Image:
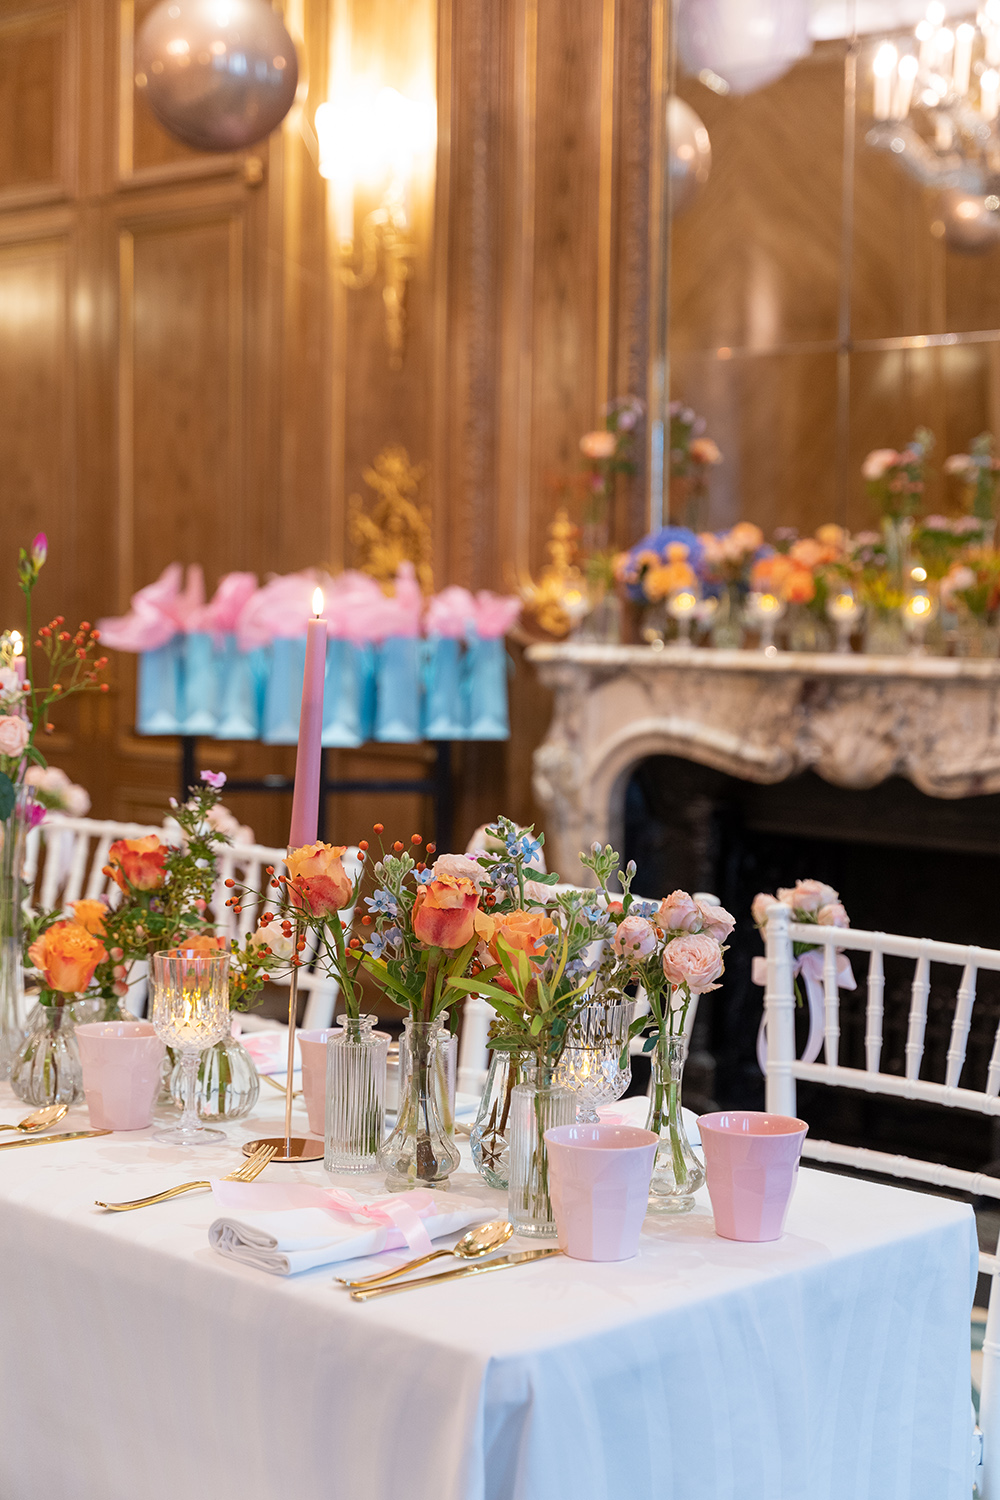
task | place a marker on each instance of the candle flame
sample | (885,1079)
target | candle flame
(318,603)
(16,642)
(919,605)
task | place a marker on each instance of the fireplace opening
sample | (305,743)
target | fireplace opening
(903,862)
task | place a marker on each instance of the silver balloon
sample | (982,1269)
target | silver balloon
(217,74)
(689,154)
(969,221)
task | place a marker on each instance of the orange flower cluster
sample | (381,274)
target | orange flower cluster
(792,574)
(67,955)
(137,864)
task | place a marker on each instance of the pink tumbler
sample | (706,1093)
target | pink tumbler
(312,1050)
(599,1179)
(751,1162)
(122,1065)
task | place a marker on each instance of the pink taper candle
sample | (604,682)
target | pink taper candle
(305,798)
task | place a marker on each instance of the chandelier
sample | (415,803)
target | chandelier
(936,102)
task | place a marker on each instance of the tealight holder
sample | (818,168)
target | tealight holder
(190,1012)
(919,609)
(763,611)
(843,611)
(682,607)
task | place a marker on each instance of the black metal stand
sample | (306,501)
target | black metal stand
(437,785)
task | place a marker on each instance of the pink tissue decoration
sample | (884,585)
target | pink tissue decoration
(282,608)
(219,616)
(450,613)
(495,614)
(158,611)
(353,599)
(399,615)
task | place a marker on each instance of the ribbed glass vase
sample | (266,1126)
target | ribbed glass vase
(537,1104)
(355,1095)
(228,1082)
(46,1068)
(12,837)
(420,1151)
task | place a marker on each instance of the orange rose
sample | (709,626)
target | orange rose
(445,911)
(137,863)
(201,944)
(90,915)
(799,587)
(318,880)
(522,930)
(67,955)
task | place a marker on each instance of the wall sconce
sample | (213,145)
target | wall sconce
(383,141)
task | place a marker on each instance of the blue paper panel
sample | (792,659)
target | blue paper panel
(283,698)
(159,690)
(444,705)
(348,694)
(397,692)
(486,669)
(243,678)
(199,684)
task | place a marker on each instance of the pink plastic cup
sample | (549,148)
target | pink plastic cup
(312,1049)
(122,1064)
(751,1163)
(599,1178)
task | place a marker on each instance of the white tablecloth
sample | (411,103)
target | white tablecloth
(137,1364)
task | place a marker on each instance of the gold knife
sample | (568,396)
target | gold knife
(64,1135)
(501,1264)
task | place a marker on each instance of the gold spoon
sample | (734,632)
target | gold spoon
(39,1118)
(472,1246)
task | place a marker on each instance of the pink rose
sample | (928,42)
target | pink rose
(878,461)
(715,920)
(678,913)
(462,866)
(13,734)
(808,895)
(635,938)
(833,915)
(598,446)
(759,907)
(695,959)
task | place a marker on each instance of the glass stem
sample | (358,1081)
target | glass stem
(189,1088)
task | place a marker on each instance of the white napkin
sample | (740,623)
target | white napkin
(288,1240)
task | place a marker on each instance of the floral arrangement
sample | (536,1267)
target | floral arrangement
(607,451)
(691,453)
(165,892)
(972,585)
(979,472)
(896,480)
(54,792)
(656,565)
(810,902)
(73,666)
(727,557)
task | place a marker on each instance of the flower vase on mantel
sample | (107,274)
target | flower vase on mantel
(677,1172)
(356,1058)
(727,622)
(13,833)
(538,1104)
(420,1151)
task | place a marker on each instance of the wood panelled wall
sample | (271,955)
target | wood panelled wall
(184,376)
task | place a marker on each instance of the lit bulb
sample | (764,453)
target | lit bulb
(318,602)
(16,641)
(885,61)
(936,13)
(919,575)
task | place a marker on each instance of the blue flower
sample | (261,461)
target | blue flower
(595,914)
(643,909)
(379,941)
(576,968)
(423,876)
(382,901)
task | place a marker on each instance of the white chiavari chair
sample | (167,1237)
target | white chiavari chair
(784,1070)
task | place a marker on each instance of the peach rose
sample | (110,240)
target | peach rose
(444,912)
(877,462)
(636,938)
(14,734)
(833,915)
(678,913)
(463,866)
(318,880)
(598,445)
(760,906)
(201,944)
(522,930)
(715,920)
(272,940)
(67,955)
(90,915)
(807,895)
(137,863)
(694,959)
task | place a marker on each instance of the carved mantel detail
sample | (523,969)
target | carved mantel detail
(855,720)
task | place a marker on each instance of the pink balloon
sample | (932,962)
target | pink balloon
(217,74)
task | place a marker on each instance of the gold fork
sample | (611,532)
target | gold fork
(251,1168)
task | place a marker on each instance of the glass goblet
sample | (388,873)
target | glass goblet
(190,1013)
(592,1062)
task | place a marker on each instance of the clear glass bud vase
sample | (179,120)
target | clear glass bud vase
(228,1081)
(355,1095)
(420,1152)
(490,1135)
(537,1104)
(46,1068)
(677,1172)
(12,1008)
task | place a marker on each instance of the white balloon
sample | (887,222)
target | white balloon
(689,155)
(748,43)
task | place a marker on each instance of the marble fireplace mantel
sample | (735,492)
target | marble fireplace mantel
(855,720)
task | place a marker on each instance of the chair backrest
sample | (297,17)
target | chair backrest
(784,1070)
(65,857)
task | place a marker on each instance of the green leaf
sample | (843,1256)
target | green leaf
(478,986)
(7,797)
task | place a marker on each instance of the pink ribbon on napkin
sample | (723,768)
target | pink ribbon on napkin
(810,966)
(401,1215)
